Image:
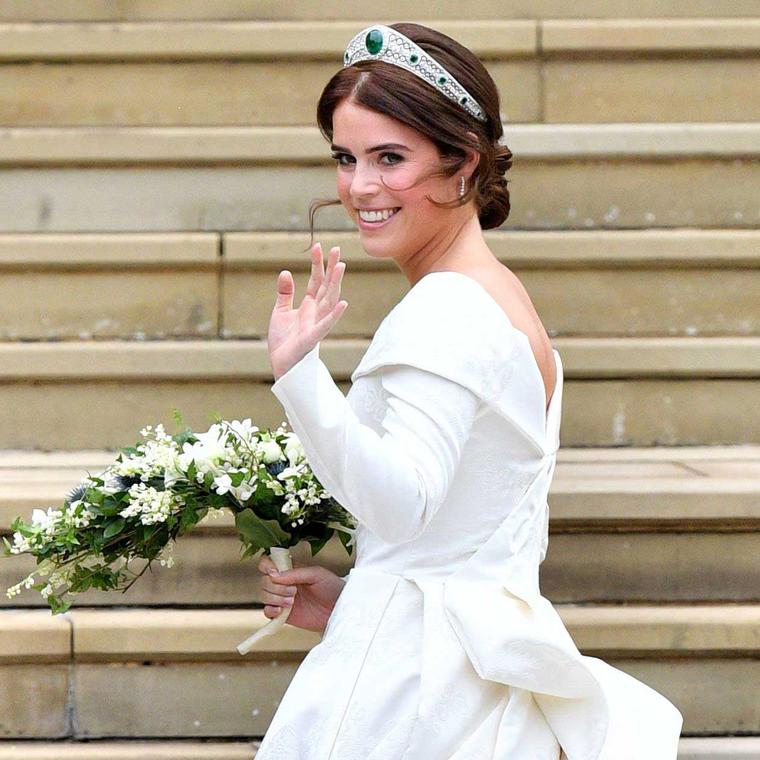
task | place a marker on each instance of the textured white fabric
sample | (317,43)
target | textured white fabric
(441,646)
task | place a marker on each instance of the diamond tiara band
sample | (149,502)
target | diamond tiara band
(381,43)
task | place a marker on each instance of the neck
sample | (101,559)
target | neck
(462,248)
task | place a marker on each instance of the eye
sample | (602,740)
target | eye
(395,155)
(338,156)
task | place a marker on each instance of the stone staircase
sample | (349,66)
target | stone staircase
(157,161)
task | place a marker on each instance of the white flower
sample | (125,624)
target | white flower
(270,451)
(151,505)
(165,555)
(173,471)
(294,449)
(207,452)
(222,483)
(244,429)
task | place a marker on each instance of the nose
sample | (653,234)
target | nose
(365,182)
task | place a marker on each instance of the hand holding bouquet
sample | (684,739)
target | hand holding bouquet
(159,489)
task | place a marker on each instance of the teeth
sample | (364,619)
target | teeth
(377,216)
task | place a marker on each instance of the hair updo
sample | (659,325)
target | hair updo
(398,93)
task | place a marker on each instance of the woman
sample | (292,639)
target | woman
(438,644)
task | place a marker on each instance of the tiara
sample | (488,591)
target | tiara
(381,43)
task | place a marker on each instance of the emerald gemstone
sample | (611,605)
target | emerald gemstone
(374,41)
(463,100)
(414,58)
(441,80)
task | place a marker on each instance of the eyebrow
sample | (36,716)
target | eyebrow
(384,146)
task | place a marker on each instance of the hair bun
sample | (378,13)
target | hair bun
(495,192)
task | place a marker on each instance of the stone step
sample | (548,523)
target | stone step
(689,748)
(198,685)
(626,525)
(619,391)
(690,282)
(696,182)
(232,72)
(436,11)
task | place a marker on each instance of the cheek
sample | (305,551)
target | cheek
(343,184)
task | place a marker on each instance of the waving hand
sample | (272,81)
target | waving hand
(294,332)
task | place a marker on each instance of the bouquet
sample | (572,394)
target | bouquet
(157,490)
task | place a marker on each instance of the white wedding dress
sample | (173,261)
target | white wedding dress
(441,646)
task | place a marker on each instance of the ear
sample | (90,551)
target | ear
(473,157)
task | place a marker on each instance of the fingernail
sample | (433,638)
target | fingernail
(288,600)
(273,572)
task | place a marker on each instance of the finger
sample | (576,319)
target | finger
(326,323)
(272,611)
(331,294)
(298,575)
(317,274)
(285,291)
(333,258)
(270,597)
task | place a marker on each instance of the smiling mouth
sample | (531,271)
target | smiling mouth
(377,221)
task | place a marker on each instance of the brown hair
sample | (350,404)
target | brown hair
(396,92)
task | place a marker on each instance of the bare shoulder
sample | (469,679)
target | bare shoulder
(508,291)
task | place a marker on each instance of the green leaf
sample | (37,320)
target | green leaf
(178,417)
(317,544)
(344,539)
(113,527)
(261,533)
(58,606)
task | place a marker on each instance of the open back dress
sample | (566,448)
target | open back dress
(441,646)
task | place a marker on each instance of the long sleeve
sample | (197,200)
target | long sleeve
(393,482)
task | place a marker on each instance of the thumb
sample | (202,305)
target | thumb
(286,289)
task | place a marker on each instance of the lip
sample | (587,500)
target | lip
(374,225)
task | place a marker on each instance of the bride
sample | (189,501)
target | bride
(438,644)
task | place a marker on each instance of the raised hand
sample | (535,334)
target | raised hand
(311,590)
(294,332)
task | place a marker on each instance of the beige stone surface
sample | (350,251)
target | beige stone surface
(675,629)
(265,40)
(718,747)
(650,35)
(128,750)
(689,748)
(654,89)
(634,193)
(175,634)
(201,145)
(104,10)
(672,563)
(583,358)
(80,414)
(306,39)
(715,695)
(653,566)
(116,304)
(33,636)
(34,700)
(595,301)
(202,92)
(528,250)
(104,251)
(186,699)
(659,412)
